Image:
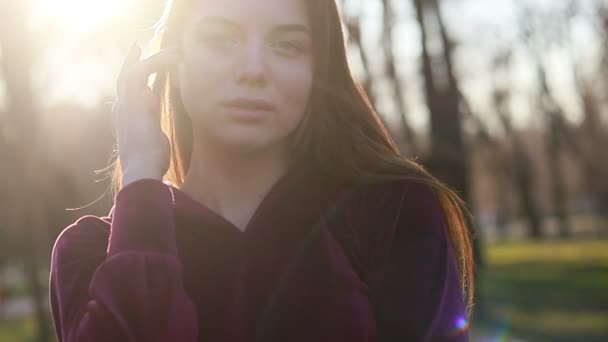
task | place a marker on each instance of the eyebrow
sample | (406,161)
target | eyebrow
(227,22)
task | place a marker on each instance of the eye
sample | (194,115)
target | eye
(218,41)
(288,46)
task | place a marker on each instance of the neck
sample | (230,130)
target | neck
(232,183)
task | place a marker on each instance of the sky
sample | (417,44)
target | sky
(81,69)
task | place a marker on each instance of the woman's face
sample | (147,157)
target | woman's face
(247,70)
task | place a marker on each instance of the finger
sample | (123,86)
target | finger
(138,73)
(132,58)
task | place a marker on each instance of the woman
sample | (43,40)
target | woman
(269,205)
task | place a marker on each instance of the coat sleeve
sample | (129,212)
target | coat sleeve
(416,292)
(127,287)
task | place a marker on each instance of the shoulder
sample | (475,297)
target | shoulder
(386,216)
(86,238)
(405,204)
(411,267)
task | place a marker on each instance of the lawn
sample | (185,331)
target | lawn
(545,291)
(18,331)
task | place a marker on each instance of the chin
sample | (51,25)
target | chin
(249,141)
(245,136)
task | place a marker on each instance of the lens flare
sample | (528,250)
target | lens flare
(461,325)
(77,15)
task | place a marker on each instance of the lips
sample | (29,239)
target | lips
(249,104)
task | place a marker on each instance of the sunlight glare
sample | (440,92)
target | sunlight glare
(78,15)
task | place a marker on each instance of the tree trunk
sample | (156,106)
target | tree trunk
(449,155)
(391,74)
(556,128)
(521,166)
(16,63)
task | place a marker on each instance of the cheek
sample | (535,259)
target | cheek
(294,84)
(199,80)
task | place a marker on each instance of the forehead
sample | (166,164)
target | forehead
(251,12)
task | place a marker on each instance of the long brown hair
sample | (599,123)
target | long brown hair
(341,133)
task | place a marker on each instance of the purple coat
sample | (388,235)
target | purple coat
(317,262)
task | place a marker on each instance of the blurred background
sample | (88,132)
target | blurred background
(506,101)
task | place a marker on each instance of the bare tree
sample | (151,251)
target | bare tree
(449,155)
(353,24)
(354,30)
(27,213)
(388,45)
(537,41)
(594,130)
(521,166)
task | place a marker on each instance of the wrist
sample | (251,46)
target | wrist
(133,173)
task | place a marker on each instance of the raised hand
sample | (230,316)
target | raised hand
(143,148)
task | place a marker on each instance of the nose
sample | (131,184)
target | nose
(252,66)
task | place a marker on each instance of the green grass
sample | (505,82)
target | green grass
(18,331)
(17,290)
(546,291)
